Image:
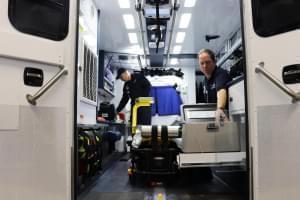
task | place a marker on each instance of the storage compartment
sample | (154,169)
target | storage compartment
(200,134)
(206,138)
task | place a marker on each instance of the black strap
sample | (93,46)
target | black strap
(180,132)
(164,136)
(154,133)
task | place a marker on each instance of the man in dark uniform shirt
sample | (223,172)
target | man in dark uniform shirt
(215,83)
(214,87)
(136,85)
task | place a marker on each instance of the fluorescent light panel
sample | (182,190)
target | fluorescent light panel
(82,24)
(180,37)
(177,49)
(129,21)
(134,49)
(124,3)
(185,20)
(90,40)
(174,61)
(133,38)
(189,3)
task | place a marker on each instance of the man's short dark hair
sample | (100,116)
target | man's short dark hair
(209,52)
(120,72)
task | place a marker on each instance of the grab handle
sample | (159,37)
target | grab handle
(295,95)
(32,98)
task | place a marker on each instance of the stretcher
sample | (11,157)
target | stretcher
(197,142)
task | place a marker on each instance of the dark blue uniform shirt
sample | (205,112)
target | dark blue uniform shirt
(138,86)
(218,81)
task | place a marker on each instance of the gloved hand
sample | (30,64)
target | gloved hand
(121,116)
(220,116)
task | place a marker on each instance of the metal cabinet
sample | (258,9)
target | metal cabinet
(236,97)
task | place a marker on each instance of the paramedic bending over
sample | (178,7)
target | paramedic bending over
(215,83)
(136,85)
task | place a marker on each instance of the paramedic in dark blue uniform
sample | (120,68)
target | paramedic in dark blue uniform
(214,89)
(136,85)
(215,83)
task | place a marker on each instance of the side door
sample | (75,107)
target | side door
(272,47)
(37,62)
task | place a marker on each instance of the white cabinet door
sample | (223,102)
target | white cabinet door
(272,42)
(36,140)
(236,98)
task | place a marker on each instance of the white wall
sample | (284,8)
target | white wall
(86,112)
(190,80)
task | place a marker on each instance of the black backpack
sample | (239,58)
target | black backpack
(107,111)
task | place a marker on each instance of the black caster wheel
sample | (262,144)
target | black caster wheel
(131,176)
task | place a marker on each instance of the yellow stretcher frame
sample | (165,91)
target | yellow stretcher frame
(139,102)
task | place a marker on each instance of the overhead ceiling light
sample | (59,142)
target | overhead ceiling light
(82,25)
(133,38)
(174,61)
(180,37)
(177,49)
(153,37)
(154,27)
(150,12)
(124,3)
(153,45)
(129,21)
(189,3)
(135,49)
(185,20)
(90,40)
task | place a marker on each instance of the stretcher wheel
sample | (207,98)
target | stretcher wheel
(131,176)
(201,174)
(132,179)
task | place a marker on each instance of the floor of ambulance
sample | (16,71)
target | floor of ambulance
(227,184)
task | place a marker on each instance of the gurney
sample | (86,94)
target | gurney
(197,142)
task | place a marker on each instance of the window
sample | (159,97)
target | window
(43,18)
(89,75)
(271,17)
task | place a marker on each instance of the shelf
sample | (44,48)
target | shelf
(111,123)
(90,126)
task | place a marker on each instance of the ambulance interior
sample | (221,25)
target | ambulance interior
(160,39)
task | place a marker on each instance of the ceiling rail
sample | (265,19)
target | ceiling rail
(175,9)
(138,7)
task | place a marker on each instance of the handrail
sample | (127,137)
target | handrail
(32,98)
(295,95)
(175,9)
